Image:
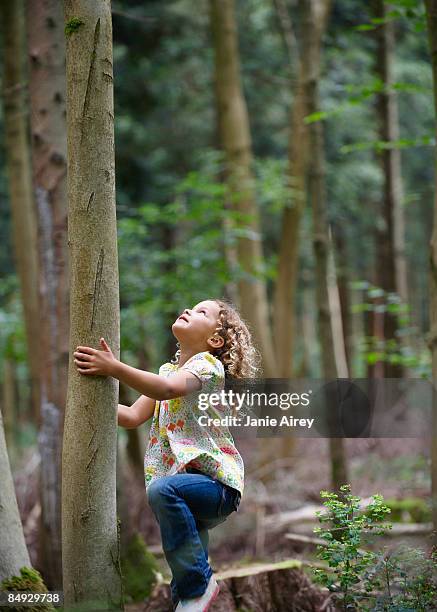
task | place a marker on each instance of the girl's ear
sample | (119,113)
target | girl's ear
(216,341)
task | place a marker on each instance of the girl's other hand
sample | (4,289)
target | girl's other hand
(94,362)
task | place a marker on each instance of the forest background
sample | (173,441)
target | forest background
(324,114)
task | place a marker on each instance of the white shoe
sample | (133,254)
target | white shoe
(202,603)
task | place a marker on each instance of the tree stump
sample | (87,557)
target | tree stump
(272,587)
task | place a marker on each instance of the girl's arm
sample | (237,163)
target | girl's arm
(155,386)
(125,417)
(140,412)
(91,361)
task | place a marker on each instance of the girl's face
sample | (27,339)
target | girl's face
(196,326)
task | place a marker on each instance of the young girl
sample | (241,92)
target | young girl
(194,474)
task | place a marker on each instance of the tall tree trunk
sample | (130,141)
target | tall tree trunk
(20,181)
(288,252)
(338,335)
(46,49)
(374,318)
(230,251)
(375,329)
(392,270)
(13,551)
(342,275)
(431,13)
(308,335)
(316,13)
(287,277)
(90,544)
(235,137)
(169,236)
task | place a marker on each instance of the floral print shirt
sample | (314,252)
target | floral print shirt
(177,439)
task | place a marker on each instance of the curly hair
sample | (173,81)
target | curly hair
(238,354)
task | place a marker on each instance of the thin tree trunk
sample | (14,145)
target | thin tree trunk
(342,275)
(316,13)
(288,253)
(373,319)
(375,330)
(431,13)
(308,336)
(46,50)
(13,551)
(231,254)
(230,291)
(336,315)
(287,277)
(169,236)
(358,333)
(286,282)
(90,543)
(20,181)
(392,271)
(236,141)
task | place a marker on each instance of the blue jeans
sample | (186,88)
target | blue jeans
(186,506)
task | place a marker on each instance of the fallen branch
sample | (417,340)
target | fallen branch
(296,537)
(307,514)
(410,529)
(397,529)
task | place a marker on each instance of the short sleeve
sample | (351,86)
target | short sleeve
(208,369)
(166,369)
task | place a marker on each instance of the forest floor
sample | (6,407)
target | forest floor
(395,468)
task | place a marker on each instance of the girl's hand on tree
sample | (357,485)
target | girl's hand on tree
(92,361)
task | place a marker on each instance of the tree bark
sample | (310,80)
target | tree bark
(20,181)
(287,277)
(338,334)
(343,280)
(235,137)
(431,14)
(46,50)
(316,13)
(90,544)
(288,252)
(13,551)
(374,324)
(391,269)
(308,336)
